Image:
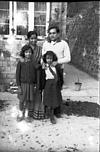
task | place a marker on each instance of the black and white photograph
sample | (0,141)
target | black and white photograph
(49,76)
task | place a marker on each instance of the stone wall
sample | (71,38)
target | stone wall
(8,62)
(84,33)
(7,72)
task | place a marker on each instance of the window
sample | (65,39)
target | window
(40,18)
(23,17)
(4,17)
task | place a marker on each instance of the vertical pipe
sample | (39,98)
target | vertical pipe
(47,15)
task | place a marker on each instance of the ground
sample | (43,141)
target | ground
(76,131)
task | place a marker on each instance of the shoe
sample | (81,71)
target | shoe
(28,119)
(20,118)
(53,120)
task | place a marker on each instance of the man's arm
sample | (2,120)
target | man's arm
(67,55)
(44,48)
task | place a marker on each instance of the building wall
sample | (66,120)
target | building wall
(12,45)
(84,55)
(8,62)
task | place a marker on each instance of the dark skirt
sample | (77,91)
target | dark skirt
(52,94)
(27,97)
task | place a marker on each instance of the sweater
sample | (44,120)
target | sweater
(26,72)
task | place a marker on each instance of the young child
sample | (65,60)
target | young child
(26,79)
(52,97)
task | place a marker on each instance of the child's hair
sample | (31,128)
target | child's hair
(31,33)
(50,53)
(24,48)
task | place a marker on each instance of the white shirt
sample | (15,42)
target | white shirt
(49,75)
(61,49)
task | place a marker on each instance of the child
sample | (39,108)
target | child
(52,97)
(26,79)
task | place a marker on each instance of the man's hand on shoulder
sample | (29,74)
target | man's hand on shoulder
(54,63)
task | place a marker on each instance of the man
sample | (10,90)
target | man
(60,48)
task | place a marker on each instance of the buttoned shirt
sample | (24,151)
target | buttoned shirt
(60,48)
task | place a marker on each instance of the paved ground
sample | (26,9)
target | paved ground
(76,131)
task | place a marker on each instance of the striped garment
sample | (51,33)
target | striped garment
(37,52)
(38,112)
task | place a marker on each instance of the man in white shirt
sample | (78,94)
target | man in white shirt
(60,48)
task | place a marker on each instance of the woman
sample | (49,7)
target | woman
(38,109)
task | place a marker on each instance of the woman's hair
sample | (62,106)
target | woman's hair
(50,53)
(24,48)
(31,33)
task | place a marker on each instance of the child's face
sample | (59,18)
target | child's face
(33,39)
(28,53)
(49,59)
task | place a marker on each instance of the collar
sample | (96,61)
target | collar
(58,40)
(27,60)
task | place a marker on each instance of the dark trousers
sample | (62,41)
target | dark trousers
(57,110)
(49,111)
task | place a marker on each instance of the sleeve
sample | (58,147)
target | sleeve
(66,53)
(60,76)
(42,79)
(18,74)
(43,48)
(40,51)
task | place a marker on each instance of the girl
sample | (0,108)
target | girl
(38,110)
(26,79)
(52,97)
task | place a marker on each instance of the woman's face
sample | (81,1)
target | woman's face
(49,59)
(33,39)
(28,53)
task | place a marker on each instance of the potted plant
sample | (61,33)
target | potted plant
(78,85)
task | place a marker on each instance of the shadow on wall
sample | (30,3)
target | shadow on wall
(81,108)
(4,54)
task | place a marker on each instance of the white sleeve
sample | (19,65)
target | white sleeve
(66,54)
(43,48)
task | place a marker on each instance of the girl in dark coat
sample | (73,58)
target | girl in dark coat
(26,79)
(53,82)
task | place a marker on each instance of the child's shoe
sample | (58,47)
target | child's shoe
(20,118)
(53,120)
(28,119)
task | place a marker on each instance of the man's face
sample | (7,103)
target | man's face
(53,35)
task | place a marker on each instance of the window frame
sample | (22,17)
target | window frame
(12,14)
